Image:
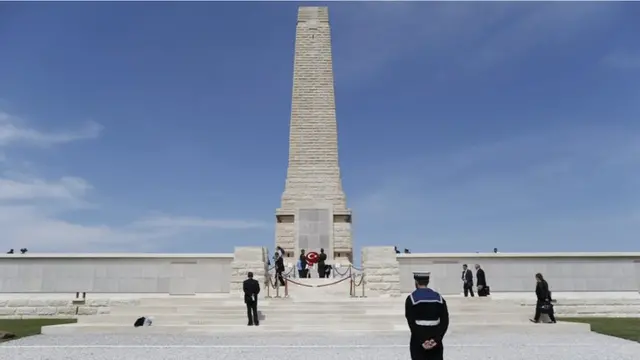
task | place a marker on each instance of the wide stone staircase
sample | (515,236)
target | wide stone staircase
(312,305)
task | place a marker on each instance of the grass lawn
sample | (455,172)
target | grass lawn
(625,328)
(29,327)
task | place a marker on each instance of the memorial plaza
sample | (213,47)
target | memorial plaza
(356,313)
(385,346)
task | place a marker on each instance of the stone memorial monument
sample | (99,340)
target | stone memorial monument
(313,213)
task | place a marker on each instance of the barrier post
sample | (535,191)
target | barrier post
(268,284)
(286,288)
(351,284)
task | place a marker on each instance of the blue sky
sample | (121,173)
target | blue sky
(163,127)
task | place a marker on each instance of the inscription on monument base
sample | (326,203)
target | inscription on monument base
(314,230)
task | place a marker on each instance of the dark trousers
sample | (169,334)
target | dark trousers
(322,271)
(252,312)
(279,278)
(419,353)
(302,273)
(539,304)
(483,291)
(468,289)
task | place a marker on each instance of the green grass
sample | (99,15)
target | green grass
(29,327)
(625,328)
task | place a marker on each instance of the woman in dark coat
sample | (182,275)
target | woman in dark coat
(543,302)
(279,267)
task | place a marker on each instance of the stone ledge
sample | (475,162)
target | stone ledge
(48,311)
(58,308)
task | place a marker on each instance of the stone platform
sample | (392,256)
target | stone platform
(351,346)
(305,311)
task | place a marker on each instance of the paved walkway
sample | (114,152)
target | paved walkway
(589,346)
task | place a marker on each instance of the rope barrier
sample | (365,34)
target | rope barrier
(335,269)
(299,284)
(333,283)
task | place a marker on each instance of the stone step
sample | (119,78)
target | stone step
(578,309)
(590,302)
(336,320)
(303,309)
(296,330)
(598,315)
(317,300)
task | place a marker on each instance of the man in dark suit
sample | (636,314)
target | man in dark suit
(481,281)
(251,288)
(467,280)
(322,258)
(303,264)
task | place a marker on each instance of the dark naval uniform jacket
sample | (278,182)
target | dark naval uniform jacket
(427,315)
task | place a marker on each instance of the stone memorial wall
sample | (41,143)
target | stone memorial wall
(115,273)
(565,272)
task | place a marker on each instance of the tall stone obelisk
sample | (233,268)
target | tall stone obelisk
(313,212)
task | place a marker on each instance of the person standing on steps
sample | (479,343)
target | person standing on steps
(302,265)
(322,258)
(428,318)
(481,281)
(251,288)
(543,302)
(467,281)
(279,269)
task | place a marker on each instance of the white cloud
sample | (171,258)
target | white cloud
(14,131)
(195,222)
(32,207)
(35,221)
(66,188)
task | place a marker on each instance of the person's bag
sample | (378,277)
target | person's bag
(546,308)
(139,322)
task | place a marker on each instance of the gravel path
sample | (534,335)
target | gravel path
(390,346)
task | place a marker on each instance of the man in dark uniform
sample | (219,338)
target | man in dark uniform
(428,318)
(251,289)
(322,258)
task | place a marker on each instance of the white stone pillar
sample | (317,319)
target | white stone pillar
(381,270)
(313,174)
(245,260)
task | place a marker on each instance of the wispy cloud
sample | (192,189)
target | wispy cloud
(623,60)
(67,188)
(560,189)
(14,131)
(370,36)
(36,221)
(196,222)
(33,208)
